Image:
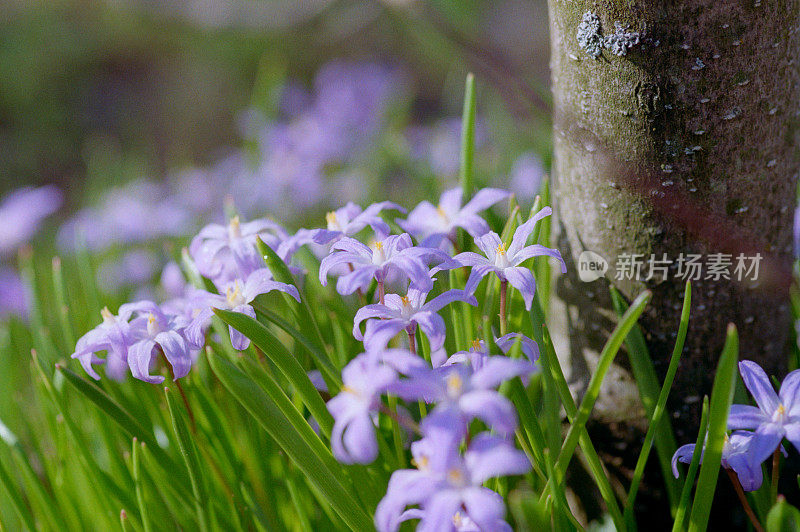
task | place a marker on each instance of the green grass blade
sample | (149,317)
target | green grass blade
(644,374)
(686,493)
(284,361)
(296,447)
(550,366)
(189,454)
(721,398)
(468,139)
(17,500)
(138,487)
(593,390)
(658,412)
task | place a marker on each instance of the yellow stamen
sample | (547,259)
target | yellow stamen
(405,300)
(378,245)
(331,218)
(234,227)
(781,410)
(348,389)
(441,212)
(106,314)
(422,463)
(457,520)
(476,344)
(501,249)
(455,476)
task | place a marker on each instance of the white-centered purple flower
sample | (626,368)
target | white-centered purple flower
(478,354)
(393,253)
(447,487)
(407,312)
(237,298)
(431,224)
(738,454)
(462,394)
(21,212)
(151,333)
(226,253)
(354,408)
(506,262)
(777,415)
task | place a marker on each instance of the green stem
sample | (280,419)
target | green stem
(737,486)
(503,313)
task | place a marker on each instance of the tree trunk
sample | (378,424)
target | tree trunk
(685,142)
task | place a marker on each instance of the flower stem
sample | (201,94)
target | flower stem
(412,341)
(503,316)
(776,471)
(192,423)
(740,492)
(380,292)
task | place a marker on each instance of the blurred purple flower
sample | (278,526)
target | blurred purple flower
(133,268)
(226,253)
(505,263)
(393,253)
(430,225)
(527,175)
(237,298)
(13,294)
(440,144)
(21,212)
(737,454)
(407,312)
(777,415)
(463,394)
(448,487)
(364,379)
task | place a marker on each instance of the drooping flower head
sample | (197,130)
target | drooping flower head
(506,262)
(431,224)
(738,454)
(112,336)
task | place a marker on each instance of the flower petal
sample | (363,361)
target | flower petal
(759,385)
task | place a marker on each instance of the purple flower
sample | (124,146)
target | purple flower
(393,253)
(350,219)
(777,415)
(527,175)
(463,394)
(364,379)
(448,487)
(13,294)
(430,225)
(112,336)
(237,298)
(407,312)
(224,254)
(505,262)
(737,454)
(21,212)
(152,332)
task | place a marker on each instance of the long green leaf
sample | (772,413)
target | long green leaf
(686,492)
(16,498)
(189,453)
(468,138)
(657,414)
(298,448)
(721,399)
(285,362)
(593,390)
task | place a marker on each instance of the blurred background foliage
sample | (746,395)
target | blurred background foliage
(127,87)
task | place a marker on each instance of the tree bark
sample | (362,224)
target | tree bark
(688,144)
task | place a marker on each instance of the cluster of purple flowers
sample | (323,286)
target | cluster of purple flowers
(776,416)
(446,489)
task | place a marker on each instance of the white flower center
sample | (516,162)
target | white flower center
(234,295)
(152,325)
(107,316)
(500,258)
(333,222)
(234,228)
(780,415)
(454,385)
(378,254)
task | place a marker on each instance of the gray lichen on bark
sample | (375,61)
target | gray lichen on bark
(656,154)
